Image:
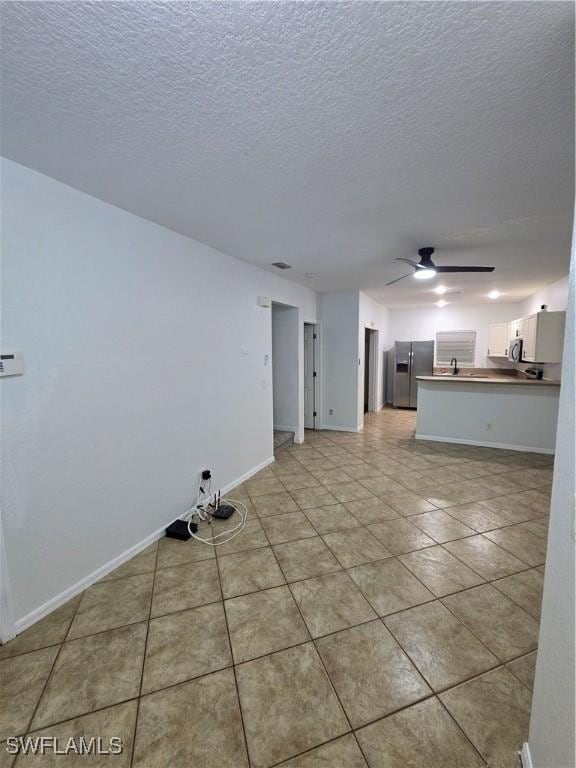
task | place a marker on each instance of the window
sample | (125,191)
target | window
(458,344)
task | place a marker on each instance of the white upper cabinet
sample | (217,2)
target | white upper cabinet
(498,340)
(543,337)
(516,329)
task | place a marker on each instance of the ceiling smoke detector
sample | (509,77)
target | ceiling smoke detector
(281,265)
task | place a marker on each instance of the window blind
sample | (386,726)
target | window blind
(458,344)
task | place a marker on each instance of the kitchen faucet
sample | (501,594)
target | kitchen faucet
(456,370)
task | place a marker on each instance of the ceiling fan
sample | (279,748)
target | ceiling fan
(426,269)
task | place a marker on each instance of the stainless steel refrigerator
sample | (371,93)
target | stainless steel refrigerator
(409,359)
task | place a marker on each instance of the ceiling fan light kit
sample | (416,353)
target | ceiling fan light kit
(425,269)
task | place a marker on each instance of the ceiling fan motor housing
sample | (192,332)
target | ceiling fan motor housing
(425,255)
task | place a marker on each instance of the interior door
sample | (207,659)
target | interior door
(309,383)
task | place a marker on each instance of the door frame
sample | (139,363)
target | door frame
(372,369)
(294,396)
(7,623)
(316,368)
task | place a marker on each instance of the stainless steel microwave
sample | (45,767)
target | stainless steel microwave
(515,351)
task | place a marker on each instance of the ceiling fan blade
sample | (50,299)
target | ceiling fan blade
(409,261)
(464,269)
(397,279)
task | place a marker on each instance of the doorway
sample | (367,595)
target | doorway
(370,370)
(310,376)
(285,395)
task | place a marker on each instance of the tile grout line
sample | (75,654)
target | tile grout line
(439,599)
(462,731)
(396,557)
(501,664)
(137,717)
(332,686)
(52,667)
(239,700)
(295,581)
(435,693)
(528,567)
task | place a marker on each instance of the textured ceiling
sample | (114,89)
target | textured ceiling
(333,136)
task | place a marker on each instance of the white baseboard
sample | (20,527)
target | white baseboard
(247,475)
(58,600)
(340,429)
(483,444)
(525,756)
(286,429)
(55,602)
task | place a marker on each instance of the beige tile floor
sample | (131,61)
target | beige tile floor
(380,609)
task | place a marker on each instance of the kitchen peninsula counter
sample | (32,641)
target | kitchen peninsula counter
(505,412)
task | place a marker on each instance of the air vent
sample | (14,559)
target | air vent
(281,265)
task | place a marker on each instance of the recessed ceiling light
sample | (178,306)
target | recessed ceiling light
(425,274)
(494,294)
(440,290)
(441,303)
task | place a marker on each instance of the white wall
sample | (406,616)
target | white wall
(422,324)
(555,296)
(376,317)
(285,367)
(552,735)
(344,316)
(144,354)
(339,356)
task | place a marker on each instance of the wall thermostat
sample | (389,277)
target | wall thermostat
(11,364)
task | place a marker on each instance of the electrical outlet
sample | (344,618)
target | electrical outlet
(488,425)
(331,411)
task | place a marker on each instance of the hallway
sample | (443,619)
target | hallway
(380,608)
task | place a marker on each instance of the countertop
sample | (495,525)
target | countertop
(511,380)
